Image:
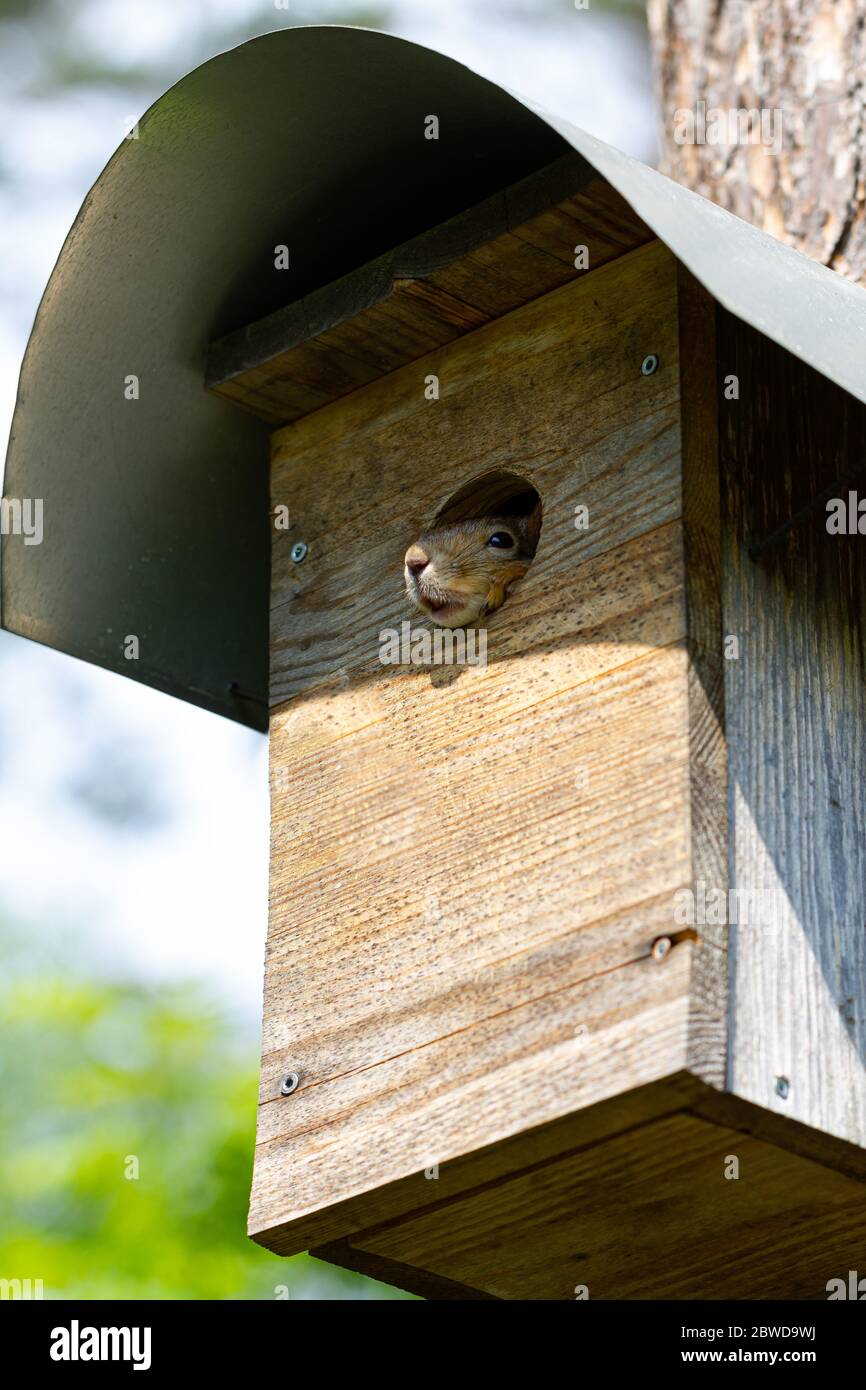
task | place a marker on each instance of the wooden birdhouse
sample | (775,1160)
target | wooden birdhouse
(564,988)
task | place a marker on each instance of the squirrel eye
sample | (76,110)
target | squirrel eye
(501,540)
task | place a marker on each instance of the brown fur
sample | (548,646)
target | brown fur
(465,574)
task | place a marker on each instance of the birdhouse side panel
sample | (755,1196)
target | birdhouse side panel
(795,606)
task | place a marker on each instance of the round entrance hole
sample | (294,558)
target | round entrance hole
(499,493)
(479,546)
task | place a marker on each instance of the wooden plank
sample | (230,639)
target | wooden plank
(499,408)
(723,1108)
(555,1053)
(512,248)
(648,1214)
(597,217)
(796,702)
(708,776)
(400,1276)
(515,944)
(373,956)
(425,1190)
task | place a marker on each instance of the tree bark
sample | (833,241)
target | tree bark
(802,63)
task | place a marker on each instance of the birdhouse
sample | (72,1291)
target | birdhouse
(564,987)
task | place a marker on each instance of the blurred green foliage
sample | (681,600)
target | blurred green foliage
(99,1071)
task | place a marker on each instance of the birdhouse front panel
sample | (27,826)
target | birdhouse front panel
(477,834)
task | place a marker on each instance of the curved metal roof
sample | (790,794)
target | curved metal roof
(155,510)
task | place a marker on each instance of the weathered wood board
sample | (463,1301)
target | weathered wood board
(675,1207)
(452,279)
(470,865)
(702,541)
(795,599)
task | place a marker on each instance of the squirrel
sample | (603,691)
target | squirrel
(459,573)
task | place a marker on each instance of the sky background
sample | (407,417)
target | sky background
(128,820)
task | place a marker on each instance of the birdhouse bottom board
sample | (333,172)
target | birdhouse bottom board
(509,1056)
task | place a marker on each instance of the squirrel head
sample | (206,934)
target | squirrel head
(457,574)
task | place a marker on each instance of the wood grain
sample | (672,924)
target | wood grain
(419,1191)
(708,772)
(597,849)
(469,867)
(648,1214)
(552,391)
(437,287)
(504,1075)
(796,701)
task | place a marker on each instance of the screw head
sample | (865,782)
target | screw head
(660,947)
(299,551)
(291,1081)
(649,364)
(783,1087)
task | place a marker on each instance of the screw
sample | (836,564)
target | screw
(299,551)
(649,364)
(660,947)
(783,1087)
(290,1083)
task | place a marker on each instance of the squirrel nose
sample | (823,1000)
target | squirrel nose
(416,560)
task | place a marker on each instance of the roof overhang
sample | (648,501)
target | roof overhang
(156,510)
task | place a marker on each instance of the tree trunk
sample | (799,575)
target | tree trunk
(796,166)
